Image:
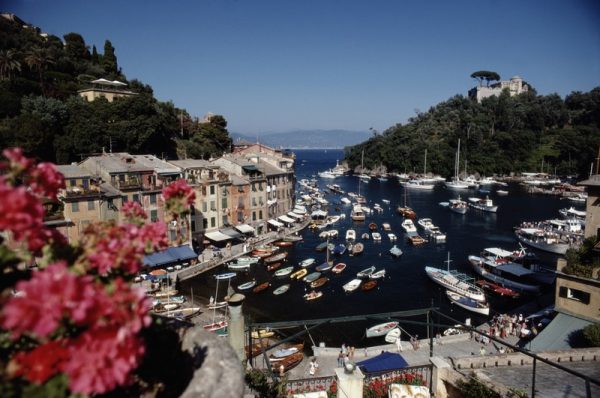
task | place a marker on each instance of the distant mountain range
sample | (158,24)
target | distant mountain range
(307,139)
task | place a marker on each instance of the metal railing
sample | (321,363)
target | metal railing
(417,375)
(313,384)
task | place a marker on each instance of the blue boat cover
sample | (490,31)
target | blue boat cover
(383,362)
(171,255)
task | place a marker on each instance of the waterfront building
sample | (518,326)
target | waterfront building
(592,209)
(102,88)
(514,86)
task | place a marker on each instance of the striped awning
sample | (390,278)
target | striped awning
(275,223)
(217,236)
(245,228)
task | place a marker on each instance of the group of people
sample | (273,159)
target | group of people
(346,354)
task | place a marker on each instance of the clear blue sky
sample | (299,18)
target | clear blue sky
(281,65)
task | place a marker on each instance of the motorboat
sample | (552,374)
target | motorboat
(454,282)
(376,236)
(418,184)
(273,267)
(321,246)
(261,287)
(416,240)
(277,257)
(345,200)
(377,275)
(338,268)
(468,303)
(339,249)
(247,260)
(457,205)
(247,285)
(262,333)
(285,352)
(352,285)
(365,272)
(409,226)
(307,262)
(284,271)
(368,285)
(319,282)
(392,336)
(184,313)
(372,226)
(502,192)
(381,329)
(365,236)
(326,266)
(543,240)
(313,295)
(572,213)
(483,204)
(395,251)
(392,236)
(357,213)
(425,223)
(435,234)
(407,212)
(281,289)
(327,174)
(497,289)
(386,226)
(238,267)
(313,276)
(350,235)
(357,248)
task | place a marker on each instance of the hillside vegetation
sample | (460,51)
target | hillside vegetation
(41,112)
(500,135)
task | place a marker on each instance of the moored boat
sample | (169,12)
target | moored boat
(226,275)
(239,267)
(313,295)
(311,277)
(339,267)
(377,275)
(247,285)
(273,267)
(468,303)
(184,313)
(376,236)
(409,226)
(281,289)
(365,272)
(454,282)
(357,248)
(458,205)
(277,257)
(483,204)
(352,285)
(381,329)
(372,226)
(350,234)
(416,240)
(262,333)
(261,287)
(368,285)
(543,240)
(307,262)
(357,214)
(284,271)
(395,251)
(215,326)
(299,274)
(288,362)
(321,246)
(319,282)
(326,266)
(286,352)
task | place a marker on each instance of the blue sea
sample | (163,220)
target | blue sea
(406,286)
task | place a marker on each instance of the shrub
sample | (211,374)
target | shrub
(592,334)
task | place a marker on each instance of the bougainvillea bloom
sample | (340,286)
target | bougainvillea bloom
(179,196)
(133,212)
(41,363)
(45,180)
(17,162)
(20,211)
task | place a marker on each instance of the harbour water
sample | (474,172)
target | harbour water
(406,285)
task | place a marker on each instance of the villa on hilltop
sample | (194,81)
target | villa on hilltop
(515,86)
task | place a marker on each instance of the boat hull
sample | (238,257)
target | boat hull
(381,329)
(468,304)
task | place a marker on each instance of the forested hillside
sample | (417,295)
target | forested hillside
(41,112)
(499,136)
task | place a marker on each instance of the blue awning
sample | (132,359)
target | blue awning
(182,253)
(169,256)
(383,362)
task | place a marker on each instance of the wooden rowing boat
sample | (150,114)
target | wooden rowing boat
(261,287)
(288,362)
(339,267)
(299,274)
(369,285)
(273,267)
(319,282)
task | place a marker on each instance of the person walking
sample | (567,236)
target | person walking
(314,366)
(341,359)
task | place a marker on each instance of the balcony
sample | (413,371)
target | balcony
(129,184)
(80,192)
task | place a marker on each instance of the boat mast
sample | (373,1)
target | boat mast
(448,263)
(425,167)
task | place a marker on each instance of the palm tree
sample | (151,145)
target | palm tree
(8,64)
(39,58)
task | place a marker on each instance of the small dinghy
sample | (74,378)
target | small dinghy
(369,285)
(392,335)
(395,251)
(313,295)
(281,289)
(284,271)
(377,275)
(468,303)
(247,285)
(261,287)
(324,267)
(338,268)
(381,329)
(319,282)
(312,277)
(352,285)
(365,272)
(307,262)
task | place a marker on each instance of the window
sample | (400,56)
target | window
(253,187)
(240,188)
(172,235)
(153,215)
(86,183)
(260,187)
(91,205)
(253,202)
(204,207)
(124,199)
(72,182)
(224,219)
(213,205)
(153,199)
(240,216)
(75,207)
(136,197)
(253,216)
(260,214)
(204,223)
(193,210)
(212,189)
(224,203)
(213,222)
(574,294)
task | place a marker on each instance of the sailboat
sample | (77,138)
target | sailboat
(359,198)
(220,325)
(406,211)
(425,180)
(454,282)
(456,183)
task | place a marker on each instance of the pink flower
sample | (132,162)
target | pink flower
(20,212)
(45,180)
(17,162)
(46,299)
(179,196)
(133,212)
(102,359)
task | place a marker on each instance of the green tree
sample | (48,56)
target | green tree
(38,59)
(95,57)
(8,64)
(486,75)
(75,47)
(109,59)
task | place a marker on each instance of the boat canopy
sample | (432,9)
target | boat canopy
(531,231)
(514,269)
(318,213)
(171,255)
(498,252)
(286,219)
(275,223)
(245,228)
(383,362)
(231,233)
(294,215)
(217,236)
